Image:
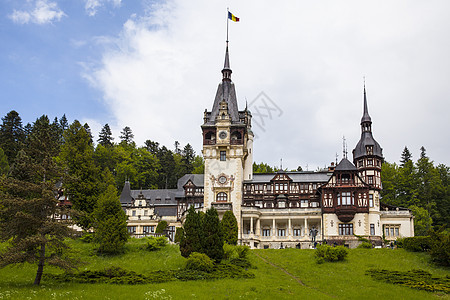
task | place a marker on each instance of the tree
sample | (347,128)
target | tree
(229,228)
(83,181)
(43,141)
(105,136)
(188,155)
(198,165)
(12,135)
(422,221)
(193,234)
(406,156)
(389,177)
(179,235)
(213,237)
(27,222)
(4,166)
(110,223)
(162,225)
(263,168)
(126,135)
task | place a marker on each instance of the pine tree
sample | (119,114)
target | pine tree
(12,135)
(193,234)
(83,181)
(406,156)
(4,166)
(188,154)
(110,223)
(43,141)
(105,136)
(229,228)
(126,135)
(27,213)
(213,236)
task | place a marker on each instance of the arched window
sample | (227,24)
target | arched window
(222,197)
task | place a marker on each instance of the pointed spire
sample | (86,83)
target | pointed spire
(226,72)
(365,117)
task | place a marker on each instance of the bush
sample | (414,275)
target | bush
(365,245)
(229,251)
(242,251)
(179,235)
(417,243)
(199,262)
(156,243)
(87,237)
(329,253)
(440,247)
(162,225)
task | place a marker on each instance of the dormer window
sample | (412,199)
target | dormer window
(369,150)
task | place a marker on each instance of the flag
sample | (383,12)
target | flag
(233,17)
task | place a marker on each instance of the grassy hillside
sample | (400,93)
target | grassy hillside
(280,274)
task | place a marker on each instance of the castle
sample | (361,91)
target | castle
(283,209)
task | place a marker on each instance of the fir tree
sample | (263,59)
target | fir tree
(110,223)
(193,234)
(229,228)
(126,135)
(27,215)
(4,166)
(12,135)
(213,237)
(105,136)
(179,235)
(406,156)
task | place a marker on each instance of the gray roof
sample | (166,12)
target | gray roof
(345,165)
(163,196)
(367,140)
(365,117)
(227,92)
(125,196)
(295,176)
(197,180)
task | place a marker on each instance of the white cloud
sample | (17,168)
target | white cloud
(92,6)
(41,12)
(162,71)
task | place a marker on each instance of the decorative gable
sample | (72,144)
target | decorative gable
(281,177)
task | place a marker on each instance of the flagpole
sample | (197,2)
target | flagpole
(227,23)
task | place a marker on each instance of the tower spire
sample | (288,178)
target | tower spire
(226,72)
(365,117)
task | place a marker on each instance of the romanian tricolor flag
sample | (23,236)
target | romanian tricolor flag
(233,17)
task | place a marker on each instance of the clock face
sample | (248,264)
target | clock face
(222,134)
(222,179)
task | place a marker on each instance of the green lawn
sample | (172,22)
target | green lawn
(279,280)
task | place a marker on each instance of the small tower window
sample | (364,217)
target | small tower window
(223,116)
(222,197)
(223,155)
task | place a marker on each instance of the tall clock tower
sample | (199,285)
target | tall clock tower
(227,149)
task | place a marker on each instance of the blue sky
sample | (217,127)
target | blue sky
(155,66)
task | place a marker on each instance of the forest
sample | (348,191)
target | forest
(87,165)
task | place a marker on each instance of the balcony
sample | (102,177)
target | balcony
(222,206)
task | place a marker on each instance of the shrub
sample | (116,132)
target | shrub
(162,225)
(242,251)
(400,242)
(417,243)
(87,237)
(199,262)
(229,251)
(179,235)
(440,247)
(230,228)
(362,239)
(329,253)
(365,245)
(156,243)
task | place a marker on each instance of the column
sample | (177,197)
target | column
(251,225)
(321,229)
(258,227)
(274,228)
(289,229)
(305,231)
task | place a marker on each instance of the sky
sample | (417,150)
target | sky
(299,65)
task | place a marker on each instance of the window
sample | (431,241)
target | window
(297,232)
(372,229)
(223,155)
(345,229)
(360,163)
(370,162)
(281,232)
(392,230)
(345,198)
(133,213)
(221,197)
(370,179)
(148,229)
(370,200)
(145,212)
(266,232)
(131,229)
